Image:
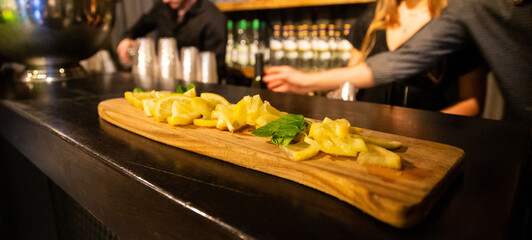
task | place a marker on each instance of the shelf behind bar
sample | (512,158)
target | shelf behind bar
(273,4)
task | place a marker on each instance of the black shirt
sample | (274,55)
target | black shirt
(203,27)
(433,89)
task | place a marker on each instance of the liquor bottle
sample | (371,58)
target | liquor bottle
(230,44)
(284,39)
(290,47)
(345,46)
(276,46)
(333,63)
(324,55)
(259,72)
(304,47)
(338,53)
(263,43)
(242,44)
(255,41)
(314,42)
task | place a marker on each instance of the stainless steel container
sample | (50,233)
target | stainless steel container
(52,36)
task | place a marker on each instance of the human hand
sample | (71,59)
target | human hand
(123,50)
(286,79)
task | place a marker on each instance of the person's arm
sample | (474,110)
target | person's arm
(288,79)
(439,38)
(472,89)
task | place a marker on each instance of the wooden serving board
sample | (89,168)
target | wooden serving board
(398,197)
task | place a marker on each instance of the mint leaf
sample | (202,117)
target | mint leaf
(137,90)
(183,89)
(282,130)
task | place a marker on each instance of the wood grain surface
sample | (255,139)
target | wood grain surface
(400,198)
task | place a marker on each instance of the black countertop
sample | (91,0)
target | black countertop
(143,189)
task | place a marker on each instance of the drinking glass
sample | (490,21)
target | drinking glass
(189,63)
(168,59)
(347,91)
(144,67)
(207,67)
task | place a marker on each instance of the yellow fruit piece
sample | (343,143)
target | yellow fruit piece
(202,106)
(302,150)
(339,128)
(163,107)
(253,107)
(149,106)
(160,94)
(265,119)
(180,119)
(221,124)
(215,99)
(391,145)
(202,122)
(182,114)
(226,118)
(190,93)
(380,156)
(240,110)
(136,98)
(343,147)
(334,137)
(267,108)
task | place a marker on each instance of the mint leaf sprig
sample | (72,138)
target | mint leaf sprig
(282,130)
(137,90)
(183,89)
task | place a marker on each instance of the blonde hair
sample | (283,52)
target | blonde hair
(386,14)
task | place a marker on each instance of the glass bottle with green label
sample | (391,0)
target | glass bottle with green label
(242,44)
(230,44)
(255,41)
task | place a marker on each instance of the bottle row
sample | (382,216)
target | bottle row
(308,48)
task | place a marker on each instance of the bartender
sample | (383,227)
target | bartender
(195,23)
(501,29)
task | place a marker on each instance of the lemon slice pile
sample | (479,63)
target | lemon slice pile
(335,137)
(207,110)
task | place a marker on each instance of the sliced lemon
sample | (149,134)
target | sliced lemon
(136,98)
(190,93)
(253,109)
(215,98)
(380,156)
(163,107)
(226,118)
(302,150)
(268,108)
(202,106)
(160,94)
(180,119)
(203,122)
(265,119)
(240,110)
(149,106)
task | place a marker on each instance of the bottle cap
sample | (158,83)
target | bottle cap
(242,24)
(256,24)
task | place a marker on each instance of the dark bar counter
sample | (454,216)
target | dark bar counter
(141,189)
